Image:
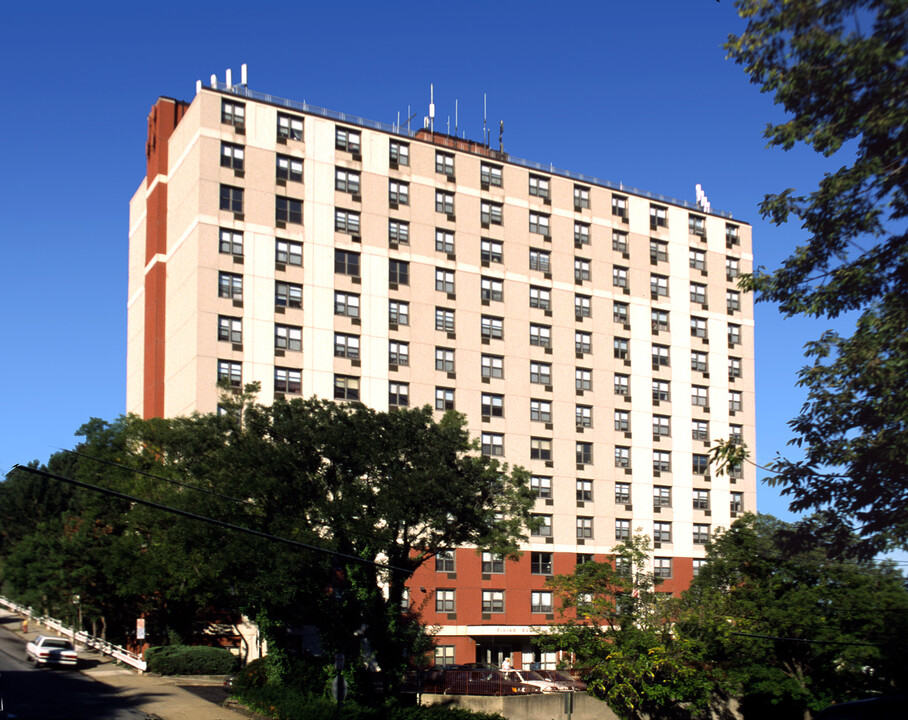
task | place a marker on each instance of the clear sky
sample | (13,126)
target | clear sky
(634,92)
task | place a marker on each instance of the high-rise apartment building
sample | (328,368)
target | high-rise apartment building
(591,333)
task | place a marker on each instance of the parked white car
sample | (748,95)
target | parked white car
(531,677)
(47,650)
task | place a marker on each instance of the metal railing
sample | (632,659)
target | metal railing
(394,129)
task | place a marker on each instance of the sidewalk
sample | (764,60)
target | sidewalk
(163,698)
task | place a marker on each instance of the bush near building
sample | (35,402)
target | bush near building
(190,660)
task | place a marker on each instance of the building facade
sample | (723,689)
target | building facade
(591,333)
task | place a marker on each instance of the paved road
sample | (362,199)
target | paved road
(99,689)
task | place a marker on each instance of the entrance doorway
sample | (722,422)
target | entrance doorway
(492,653)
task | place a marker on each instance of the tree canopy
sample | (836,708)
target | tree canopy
(839,68)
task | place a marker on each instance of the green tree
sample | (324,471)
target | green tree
(794,632)
(620,630)
(839,68)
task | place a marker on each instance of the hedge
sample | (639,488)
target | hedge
(190,660)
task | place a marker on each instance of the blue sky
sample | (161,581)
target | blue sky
(634,92)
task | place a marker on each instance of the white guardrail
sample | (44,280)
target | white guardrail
(83,638)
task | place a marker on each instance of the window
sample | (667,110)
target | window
(662,496)
(583,306)
(658,251)
(662,426)
(540,298)
(583,342)
(398,394)
(734,335)
(346,221)
(620,312)
(346,263)
(445,601)
(660,356)
(492,366)
(700,464)
(701,499)
(490,213)
(582,233)
(399,153)
(732,237)
(444,319)
(346,304)
(581,197)
(230,329)
(623,495)
(287,252)
(622,421)
(736,434)
(619,206)
(398,352)
(539,186)
(230,285)
(698,294)
(662,461)
(696,225)
(659,319)
(398,192)
(541,335)
(444,398)
(232,198)
(346,346)
(658,217)
(491,289)
(622,385)
(621,347)
(444,164)
(444,241)
(540,448)
(347,140)
(492,563)
(619,242)
(490,251)
(584,453)
(584,490)
(623,529)
(732,300)
(347,181)
(737,502)
(492,444)
(490,175)
(699,563)
(697,259)
(541,485)
(233,114)
(622,457)
(346,387)
(583,416)
(540,601)
(444,202)
(541,563)
(444,561)
(658,285)
(699,429)
(701,534)
(584,528)
(541,373)
(699,395)
(698,361)
(539,224)
(540,260)
(288,169)
(662,567)
(289,127)
(492,327)
(662,532)
(734,401)
(661,391)
(540,411)
(698,327)
(288,337)
(493,601)
(581,270)
(230,242)
(583,379)
(398,312)
(492,405)
(734,368)
(232,156)
(398,232)
(731,268)
(288,295)
(619,276)
(230,372)
(287,380)
(399,272)
(444,281)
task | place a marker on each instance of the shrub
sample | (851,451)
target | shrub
(190,660)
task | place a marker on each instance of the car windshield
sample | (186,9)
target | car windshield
(57,643)
(531,675)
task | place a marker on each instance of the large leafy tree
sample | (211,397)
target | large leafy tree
(839,68)
(794,632)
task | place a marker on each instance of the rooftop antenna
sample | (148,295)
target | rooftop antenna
(229,79)
(214,80)
(449,125)
(243,74)
(485,130)
(455,117)
(702,200)
(500,135)
(432,107)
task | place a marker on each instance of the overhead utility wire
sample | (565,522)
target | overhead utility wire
(211,521)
